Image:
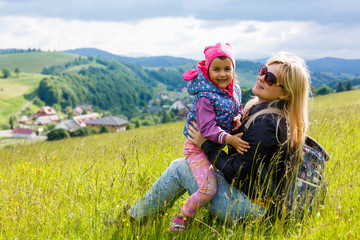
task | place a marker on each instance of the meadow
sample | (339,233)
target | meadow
(66,189)
(13,90)
(34,62)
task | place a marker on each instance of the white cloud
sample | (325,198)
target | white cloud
(181,36)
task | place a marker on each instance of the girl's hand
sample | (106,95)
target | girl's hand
(196,137)
(236,123)
(235,140)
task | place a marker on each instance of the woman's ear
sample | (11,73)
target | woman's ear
(284,96)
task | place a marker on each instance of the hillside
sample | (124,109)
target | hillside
(121,81)
(335,65)
(34,62)
(323,71)
(12,91)
(67,188)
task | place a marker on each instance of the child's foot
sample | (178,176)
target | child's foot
(178,224)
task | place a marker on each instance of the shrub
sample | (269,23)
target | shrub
(38,102)
(50,126)
(57,134)
(94,131)
(81,132)
(104,129)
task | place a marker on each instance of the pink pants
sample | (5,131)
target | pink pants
(204,176)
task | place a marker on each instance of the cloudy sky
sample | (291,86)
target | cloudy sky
(255,29)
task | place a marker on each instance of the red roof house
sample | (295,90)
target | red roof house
(23,133)
(45,111)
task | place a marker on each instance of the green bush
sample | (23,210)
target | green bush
(81,132)
(104,129)
(4,126)
(38,102)
(57,134)
(94,131)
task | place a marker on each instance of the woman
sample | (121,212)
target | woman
(274,125)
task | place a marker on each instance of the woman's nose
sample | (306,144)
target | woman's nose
(261,78)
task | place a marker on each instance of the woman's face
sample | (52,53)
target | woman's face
(265,92)
(221,72)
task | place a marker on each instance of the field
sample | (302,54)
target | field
(12,92)
(34,62)
(66,189)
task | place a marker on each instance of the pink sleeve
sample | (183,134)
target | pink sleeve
(205,119)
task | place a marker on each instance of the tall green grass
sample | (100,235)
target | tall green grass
(66,189)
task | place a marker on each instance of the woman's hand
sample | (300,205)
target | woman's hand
(195,134)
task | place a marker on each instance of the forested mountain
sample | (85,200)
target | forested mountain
(323,71)
(158,61)
(119,87)
(124,87)
(335,65)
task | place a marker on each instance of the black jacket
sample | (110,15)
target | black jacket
(263,163)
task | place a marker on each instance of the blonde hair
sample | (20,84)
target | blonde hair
(293,74)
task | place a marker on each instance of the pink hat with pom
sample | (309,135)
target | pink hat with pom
(211,52)
(218,50)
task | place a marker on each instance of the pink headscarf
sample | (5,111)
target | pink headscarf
(211,52)
(218,50)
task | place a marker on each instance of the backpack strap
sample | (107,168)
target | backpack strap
(264,174)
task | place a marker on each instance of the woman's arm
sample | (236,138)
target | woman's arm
(261,137)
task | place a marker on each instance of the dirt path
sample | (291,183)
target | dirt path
(26,105)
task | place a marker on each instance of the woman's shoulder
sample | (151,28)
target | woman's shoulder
(263,116)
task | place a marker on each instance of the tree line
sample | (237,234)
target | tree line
(118,87)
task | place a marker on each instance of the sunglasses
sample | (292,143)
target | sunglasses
(269,78)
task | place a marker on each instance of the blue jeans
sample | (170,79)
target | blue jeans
(229,203)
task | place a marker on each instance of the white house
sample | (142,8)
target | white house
(23,133)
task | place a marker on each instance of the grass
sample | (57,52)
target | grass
(12,91)
(34,62)
(65,189)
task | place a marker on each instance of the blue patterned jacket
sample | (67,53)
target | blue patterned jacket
(226,106)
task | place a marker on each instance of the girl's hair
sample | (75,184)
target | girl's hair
(293,74)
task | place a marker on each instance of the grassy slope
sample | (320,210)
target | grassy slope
(66,189)
(30,65)
(34,61)
(13,89)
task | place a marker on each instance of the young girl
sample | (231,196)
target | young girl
(216,106)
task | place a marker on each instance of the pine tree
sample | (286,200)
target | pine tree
(340,87)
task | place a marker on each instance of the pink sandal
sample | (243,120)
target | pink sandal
(178,224)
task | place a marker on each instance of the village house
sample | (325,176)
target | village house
(182,110)
(69,125)
(43,120)
(23,119)
(79,109)
(113,124)
(76,122)
(45,115)
(44,111)
(81,119)
(23,133)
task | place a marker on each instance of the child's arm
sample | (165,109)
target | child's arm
(235,140)
(208,128)
(205,118)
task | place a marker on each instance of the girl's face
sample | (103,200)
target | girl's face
(265,92)
(221,72)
